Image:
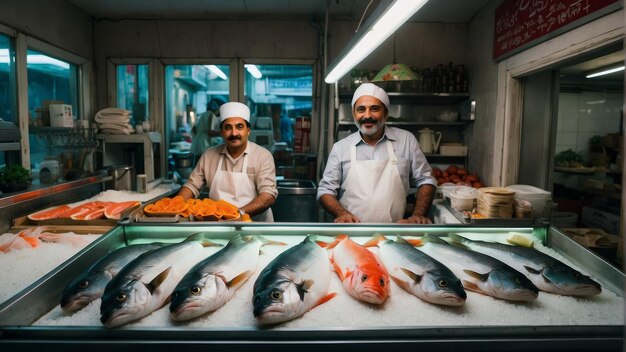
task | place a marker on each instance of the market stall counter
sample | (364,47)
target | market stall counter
(547,321)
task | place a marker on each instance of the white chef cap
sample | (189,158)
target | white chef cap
(372,90)
(234,109)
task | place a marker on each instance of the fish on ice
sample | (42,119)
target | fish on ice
(481,273)
(145,284)
(546,272)
(214,280)
(293,283)
(90,284)
(418,273)
(363,276)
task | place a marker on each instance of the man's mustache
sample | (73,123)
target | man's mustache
(233,138)
(368,120)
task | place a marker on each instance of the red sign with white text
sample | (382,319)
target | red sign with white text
(520,22)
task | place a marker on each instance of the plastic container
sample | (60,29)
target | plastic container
(536,196)
(462,199)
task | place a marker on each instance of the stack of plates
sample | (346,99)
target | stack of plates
(496,202)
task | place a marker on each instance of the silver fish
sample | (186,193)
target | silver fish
(213,281)
(420,274)
(90,284)
(547,273)
(292,284)
(145,284)
(481,273)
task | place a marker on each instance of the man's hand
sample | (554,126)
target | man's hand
(347,218)
(415,219)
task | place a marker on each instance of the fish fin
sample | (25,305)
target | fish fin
(415,242)
(32,241)
(325,299)
(239,278)
(479,276)
(338,270)
(267,242)
(532,270)
(375,240)
(304,288)
(433,239)
(333,244)
(470,286)
(199,236)
(412,275)
(403,284)
(158,280)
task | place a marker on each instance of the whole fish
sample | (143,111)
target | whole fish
(418,273)
(292,284)
(362,274)
(90,284)
(481,273)
(546,272)
(213,281)
(145,284)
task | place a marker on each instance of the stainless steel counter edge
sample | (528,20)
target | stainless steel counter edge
(52,189)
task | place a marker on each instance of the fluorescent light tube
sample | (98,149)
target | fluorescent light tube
(388,22)
(606,72)
(217,71)
(253,70)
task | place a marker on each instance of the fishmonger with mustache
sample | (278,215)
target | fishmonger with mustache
(239,171)
(368,174)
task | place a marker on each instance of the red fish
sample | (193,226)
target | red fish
(362,274)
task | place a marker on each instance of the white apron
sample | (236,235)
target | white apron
(236,188)
(373,189)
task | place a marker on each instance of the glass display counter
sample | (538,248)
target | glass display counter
(403,322)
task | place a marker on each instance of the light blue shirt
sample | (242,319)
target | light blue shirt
(412,165)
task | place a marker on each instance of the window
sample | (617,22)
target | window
(8,92)
(277,95)
(191,90)
(133,90)
(50,81)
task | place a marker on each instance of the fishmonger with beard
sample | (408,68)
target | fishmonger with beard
(239,171)
(369,173)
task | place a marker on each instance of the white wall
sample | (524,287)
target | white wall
(582,116)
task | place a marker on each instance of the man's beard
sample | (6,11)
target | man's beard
(369,131)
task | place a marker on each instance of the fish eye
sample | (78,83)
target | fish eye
(276,295)
(443,283)
(518,281)
(363,278)
(83,284)
(195,290)
(121,297)
(382,282)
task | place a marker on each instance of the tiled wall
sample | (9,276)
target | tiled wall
(584,115)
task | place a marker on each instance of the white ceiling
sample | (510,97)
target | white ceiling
(448,11)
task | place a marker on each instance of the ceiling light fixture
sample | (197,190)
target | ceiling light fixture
(253,70)
(395,71)
(216,70)
(379,26)
(605,71)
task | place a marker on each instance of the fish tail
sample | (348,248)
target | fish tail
(375,240)
(267,242)
(32,241)
(333,244)
(457,240)
(199,237)
(433,239)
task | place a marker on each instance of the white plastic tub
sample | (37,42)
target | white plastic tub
(536,196)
